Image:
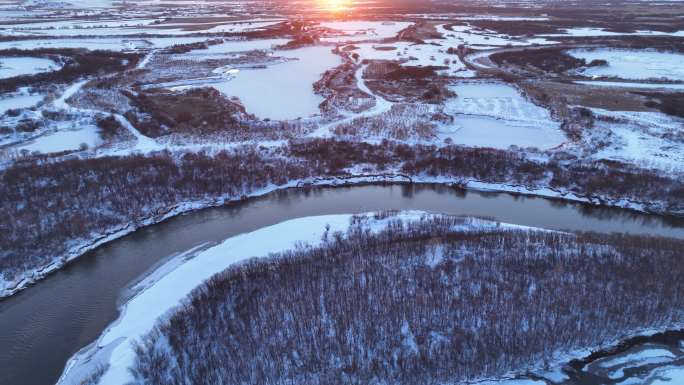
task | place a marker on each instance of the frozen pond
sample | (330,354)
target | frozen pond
(21,99)
(19,66)
(283,91)
(633,64)
(63,141)
(497,115)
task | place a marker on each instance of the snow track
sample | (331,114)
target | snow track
(145,143)
(381,106)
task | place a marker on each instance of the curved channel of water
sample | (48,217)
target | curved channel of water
(43,326)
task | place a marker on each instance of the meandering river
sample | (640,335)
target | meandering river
(41,327)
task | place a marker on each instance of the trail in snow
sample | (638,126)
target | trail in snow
(381,106)
(69,92)
(143,63)
(145,143)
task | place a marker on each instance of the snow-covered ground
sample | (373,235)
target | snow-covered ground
(223,27)
(63,141)
(410,54)
(20,99)
(165,293)
(522,381)
(492,114)
(19,66)
(641,138)
(79,132)
(76,27)
(363,30)
(633,64)
(504,18)
(616,365)
(589,31)
(75,3)
(110,44)
(483,39)
(669,375)
(66,24)
(622,367)
(143,143)
(219,51)
(380,107)
(650,86)
(145,26)
(435,52)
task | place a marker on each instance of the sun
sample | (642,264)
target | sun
(335,5)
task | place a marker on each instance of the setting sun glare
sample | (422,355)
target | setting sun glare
(335,5)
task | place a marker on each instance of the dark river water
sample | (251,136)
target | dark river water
(43,326)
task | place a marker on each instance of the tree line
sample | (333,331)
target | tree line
(50,205)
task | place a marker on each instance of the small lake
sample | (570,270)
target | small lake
(283,91)
(494,114)
(21,66)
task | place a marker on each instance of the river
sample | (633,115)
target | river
(41,327)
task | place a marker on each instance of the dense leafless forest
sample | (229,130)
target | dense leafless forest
(51,205)
(422,302)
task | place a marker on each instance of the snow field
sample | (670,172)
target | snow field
(20,99)
(145,26)
(641,138)
(479,39)
(110,44)
(363,30)
(590,31)
(497,115)
(633,64)
(218,51)
(63,141)
(419,55)
(656,86)
(20,66)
